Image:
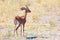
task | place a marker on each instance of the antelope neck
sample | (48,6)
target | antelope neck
(25,15)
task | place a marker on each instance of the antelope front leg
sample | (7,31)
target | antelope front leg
(23,29)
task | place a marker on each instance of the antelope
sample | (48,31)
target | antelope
(21,20)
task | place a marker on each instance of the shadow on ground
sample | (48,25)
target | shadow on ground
(31,38)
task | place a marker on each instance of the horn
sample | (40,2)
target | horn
(27,7)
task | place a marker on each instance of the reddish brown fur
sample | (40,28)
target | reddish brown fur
(21,20)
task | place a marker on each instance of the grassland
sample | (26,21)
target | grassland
(43,22)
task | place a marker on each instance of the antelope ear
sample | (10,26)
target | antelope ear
(23,8)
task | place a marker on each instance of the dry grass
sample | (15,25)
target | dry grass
(43,22)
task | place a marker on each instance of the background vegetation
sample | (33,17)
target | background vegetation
(43,21)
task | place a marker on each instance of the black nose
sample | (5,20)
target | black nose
(29,11)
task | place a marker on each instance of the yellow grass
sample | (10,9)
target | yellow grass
(44,17)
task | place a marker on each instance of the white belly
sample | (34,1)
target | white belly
(16,23)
